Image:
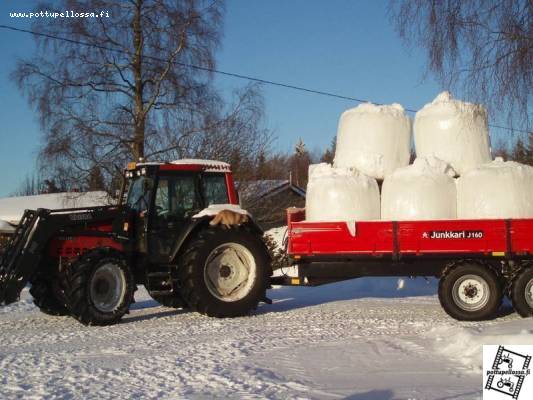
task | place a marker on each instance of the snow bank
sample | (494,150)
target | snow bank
(424,190)
(466,344)
(214,209)
(496,190)
(453,131)
(12,208)
(374,139)
(277,234)
(340,194)
(6,227)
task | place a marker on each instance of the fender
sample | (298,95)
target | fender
(254,227)
(186,233)
(198,223)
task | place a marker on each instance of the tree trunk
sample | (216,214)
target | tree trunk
(139,115)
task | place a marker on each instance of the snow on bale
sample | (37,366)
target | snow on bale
(374,139)
(499,189)
(340,194)
(421,191)
(453,131)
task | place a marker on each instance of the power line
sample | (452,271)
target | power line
(225,73)
(216,71)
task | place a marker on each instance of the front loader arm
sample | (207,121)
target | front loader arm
(27,246)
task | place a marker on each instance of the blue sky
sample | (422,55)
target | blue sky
(342,46)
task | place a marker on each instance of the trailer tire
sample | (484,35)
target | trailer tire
(239,261)
(47,298)
(99,287)
(470,291)
(522,292)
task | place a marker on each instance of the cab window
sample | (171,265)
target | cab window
(175,197)
(214,189)
(139,194)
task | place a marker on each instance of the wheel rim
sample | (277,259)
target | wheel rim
(471,292)
(529,293)
(229,272)
(107,287)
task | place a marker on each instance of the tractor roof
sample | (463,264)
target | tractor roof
(189,164)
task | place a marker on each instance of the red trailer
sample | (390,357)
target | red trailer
(476,261)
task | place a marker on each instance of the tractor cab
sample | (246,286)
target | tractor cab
(162,198)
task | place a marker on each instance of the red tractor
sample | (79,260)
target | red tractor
(87,262)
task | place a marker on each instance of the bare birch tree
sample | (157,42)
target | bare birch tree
(481,46)
(99,107)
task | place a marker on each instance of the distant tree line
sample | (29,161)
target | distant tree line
(269,165)
(521,151)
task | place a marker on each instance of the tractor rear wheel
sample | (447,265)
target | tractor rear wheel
(99,287)
(470,292)
(522,292)
(224,272)
(48,297)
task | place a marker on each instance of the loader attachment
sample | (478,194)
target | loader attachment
(21,257)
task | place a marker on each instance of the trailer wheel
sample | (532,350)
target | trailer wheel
(224,272)
(100,287)
(522,292)
(48,297)
(470,292)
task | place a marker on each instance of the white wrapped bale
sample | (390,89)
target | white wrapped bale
(373,139)
(424,190)
(453,131)
(340,194)
(496,190)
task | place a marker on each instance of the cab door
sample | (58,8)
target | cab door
(176,199)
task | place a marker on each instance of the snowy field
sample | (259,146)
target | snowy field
(361,339)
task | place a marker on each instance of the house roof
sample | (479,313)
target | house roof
(252,191)
(12,208)
(6,227)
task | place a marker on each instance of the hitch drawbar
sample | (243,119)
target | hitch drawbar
(20,258)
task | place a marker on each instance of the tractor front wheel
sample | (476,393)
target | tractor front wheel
(100,287)
(48,297)
(224,272)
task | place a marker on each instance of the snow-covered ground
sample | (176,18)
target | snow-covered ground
(361,339)
(370,338)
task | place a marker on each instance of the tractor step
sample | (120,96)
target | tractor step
(161,282)
(162,292)
(158,275)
